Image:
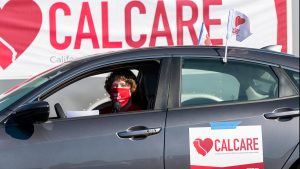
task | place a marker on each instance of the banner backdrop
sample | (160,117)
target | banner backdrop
(36,35)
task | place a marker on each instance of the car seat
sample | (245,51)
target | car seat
(147,87)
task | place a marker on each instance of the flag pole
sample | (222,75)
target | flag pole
(226,47)
(228,35)
(200,34)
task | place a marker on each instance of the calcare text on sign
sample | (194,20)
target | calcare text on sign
(132,10)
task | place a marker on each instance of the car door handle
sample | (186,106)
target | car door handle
(282,113)
(139,132)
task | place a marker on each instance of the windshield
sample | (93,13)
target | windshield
(14,94)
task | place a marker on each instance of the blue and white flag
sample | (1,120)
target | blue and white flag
(204,38)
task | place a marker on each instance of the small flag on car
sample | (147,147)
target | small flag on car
(204,38)
(238,25)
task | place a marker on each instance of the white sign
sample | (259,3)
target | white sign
(228,148)
(70,114)
(37,34)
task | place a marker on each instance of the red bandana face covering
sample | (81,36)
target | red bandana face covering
(121,95)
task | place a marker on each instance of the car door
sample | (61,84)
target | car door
(240,114)
(126,140)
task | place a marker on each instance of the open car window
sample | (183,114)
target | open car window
(87,95)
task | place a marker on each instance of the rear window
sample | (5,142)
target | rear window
(208,81)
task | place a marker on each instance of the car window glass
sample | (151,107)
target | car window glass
(206,81)
(195,89)
(12,95)
(294,76)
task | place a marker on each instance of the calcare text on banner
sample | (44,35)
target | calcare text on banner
(36,35)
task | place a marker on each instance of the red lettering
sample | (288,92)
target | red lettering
(208,21)
(161,13)
(85,15)
(242,146)
(128,30)
(249,144)
(217,141)
(105,36)
(235,142)
(228,145)
(255,144)
(188,23)
(224,147)
(52,24)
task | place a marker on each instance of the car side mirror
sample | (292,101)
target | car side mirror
(35,112)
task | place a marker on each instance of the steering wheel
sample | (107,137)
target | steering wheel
(201,99)
(211,97)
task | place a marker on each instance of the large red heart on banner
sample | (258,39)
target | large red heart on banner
(239,20)
(20,22)
(203,146)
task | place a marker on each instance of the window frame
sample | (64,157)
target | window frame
(84,66)
(132,64)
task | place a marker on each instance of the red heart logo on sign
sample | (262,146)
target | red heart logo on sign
(203,146)
(20,22)
(239,21)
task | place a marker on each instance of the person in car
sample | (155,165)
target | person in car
(121,85)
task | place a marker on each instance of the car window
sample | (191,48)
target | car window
(294,76)
(82,95)
(208,81)
(15,93)
(88,96)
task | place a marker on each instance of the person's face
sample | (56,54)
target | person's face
(120,92)
(119,84)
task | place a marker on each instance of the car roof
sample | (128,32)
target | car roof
(257,55)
